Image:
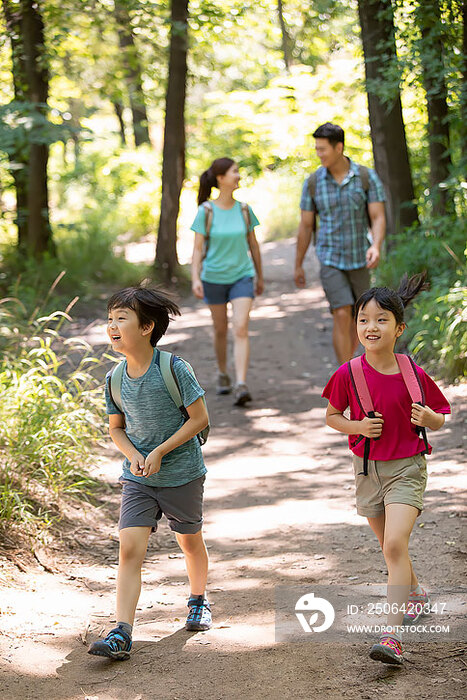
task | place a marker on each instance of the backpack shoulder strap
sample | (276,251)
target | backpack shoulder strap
(364,178)
(165,361)
(115,384)
(359,385)
(208,213)
(312,185)
(411,378)
(246,216)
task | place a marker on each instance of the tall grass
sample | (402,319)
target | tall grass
(51,411)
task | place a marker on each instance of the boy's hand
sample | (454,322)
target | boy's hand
(152,463)
(372,427)
(137,464)
(425,417)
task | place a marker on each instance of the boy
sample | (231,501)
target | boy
(163,470)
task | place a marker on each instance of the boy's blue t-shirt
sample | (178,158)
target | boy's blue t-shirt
(228,258)
(151,417)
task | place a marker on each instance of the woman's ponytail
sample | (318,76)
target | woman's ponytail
(410,287)
(208,179)
(206,182)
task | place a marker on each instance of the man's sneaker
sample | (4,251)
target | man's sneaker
(199,618)
(224,385)
(115,646)
(418,604)
(388,650)
(242,395)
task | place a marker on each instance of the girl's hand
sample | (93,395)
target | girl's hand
(197,288)
(137,464)
(259,286)
(152,463)
(372,427)
(425,417)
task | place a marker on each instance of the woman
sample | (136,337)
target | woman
(223,271)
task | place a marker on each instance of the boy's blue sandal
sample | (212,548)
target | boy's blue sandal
(199,618)
(115,646)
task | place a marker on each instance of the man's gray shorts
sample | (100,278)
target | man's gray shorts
(343,287)
(143,506)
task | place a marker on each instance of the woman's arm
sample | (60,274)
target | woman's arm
(197,259)
(198,419)
(256,255)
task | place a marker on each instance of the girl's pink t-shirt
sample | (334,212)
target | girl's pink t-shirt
(390,398)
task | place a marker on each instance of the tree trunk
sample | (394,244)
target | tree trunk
(463,127)
(119,112)
(433,73)
(132,70)
(173,160)
(386,120)
(285,35)
(31,84)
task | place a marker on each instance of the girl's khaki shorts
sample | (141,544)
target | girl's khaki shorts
(394,481)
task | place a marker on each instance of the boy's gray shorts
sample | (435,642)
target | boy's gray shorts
(343,287)
(143,506)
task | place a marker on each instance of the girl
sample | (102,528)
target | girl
(390,495)
(226,274)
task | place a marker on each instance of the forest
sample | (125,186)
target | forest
(111,109)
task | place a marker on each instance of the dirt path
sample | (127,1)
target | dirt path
(279,511)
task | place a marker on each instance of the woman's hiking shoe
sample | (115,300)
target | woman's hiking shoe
(115,646)
(224,385)
(242,395)
(388,650)
(418,604)
(199,618)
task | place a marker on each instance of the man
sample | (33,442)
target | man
(346,212)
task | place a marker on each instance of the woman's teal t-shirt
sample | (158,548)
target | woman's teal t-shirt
(228,258)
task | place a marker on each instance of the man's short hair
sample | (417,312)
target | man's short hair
(333,133)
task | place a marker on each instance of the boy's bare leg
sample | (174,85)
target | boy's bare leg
(241,308)
(399,521)
(219,320)
(133,546)
(196,559)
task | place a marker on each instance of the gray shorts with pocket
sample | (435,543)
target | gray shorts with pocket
(143,506)
(343,287)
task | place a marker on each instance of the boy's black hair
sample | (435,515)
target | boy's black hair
(332,132)
(393,301)
(149,304)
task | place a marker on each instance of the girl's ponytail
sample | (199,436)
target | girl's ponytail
(410,287)
(208,179)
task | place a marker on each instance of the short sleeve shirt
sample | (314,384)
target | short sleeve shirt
(151,417)
(390,397)
(228,259)
(342,239)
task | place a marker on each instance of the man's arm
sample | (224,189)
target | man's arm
(305,231)
(378,231)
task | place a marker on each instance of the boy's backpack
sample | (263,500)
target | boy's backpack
(209,213)
(362,394)
(165,361)
(364,179)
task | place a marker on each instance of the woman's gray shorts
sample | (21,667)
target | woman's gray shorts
(143,506)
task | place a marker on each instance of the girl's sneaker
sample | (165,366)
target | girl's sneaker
(224,385)
(388,650)
(199,618)
(115,646)
(418,604)
(242,395)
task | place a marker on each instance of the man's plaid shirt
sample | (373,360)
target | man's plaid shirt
(343,224)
